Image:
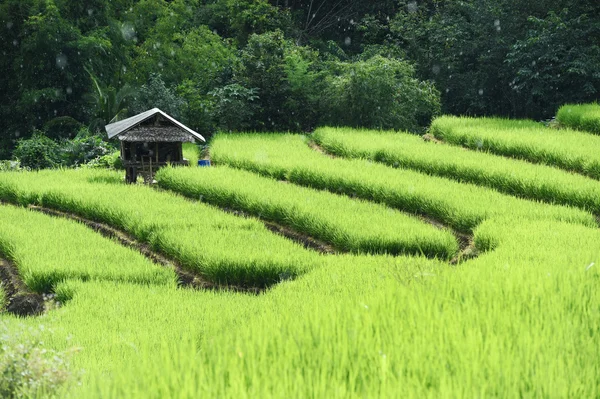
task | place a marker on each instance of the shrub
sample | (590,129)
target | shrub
(10,166)
(108,161)
(286,82)
(63,127)
(38,152)
(29,370)
(83,148)
(379,93)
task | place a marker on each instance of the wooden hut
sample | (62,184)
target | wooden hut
(150,141)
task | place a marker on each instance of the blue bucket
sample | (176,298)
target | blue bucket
(203,163)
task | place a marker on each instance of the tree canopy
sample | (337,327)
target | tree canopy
(280,65)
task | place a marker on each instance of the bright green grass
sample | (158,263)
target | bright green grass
(525,314)
(221,247)
(191,152)
(349,225)
(565,148)
(514,177)
(582,116)
(521,320)
(74,251)
(461,206)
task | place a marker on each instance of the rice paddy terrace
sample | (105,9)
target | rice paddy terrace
(348,263)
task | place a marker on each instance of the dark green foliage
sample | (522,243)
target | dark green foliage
(549,70)
(503,57)
(234,107)
(108,104)
(239,19)
(156,94)
(287,80)
(263,68)
(83,149)
(287,65)
(379,93)
(41,152)
(198,55)
(38,152)
(63,127)
(43,59)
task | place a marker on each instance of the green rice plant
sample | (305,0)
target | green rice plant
(358,326)
(567,149)
(349,225)
(580,116)
(461,206)
(199,236)
(191,152)
(74,251)
(514,177)
(519,320)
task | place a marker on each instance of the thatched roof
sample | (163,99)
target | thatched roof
(155,133)
(165,134)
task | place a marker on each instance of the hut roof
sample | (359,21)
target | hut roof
(156,133)
(130,128)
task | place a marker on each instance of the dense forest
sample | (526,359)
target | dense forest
(70,67)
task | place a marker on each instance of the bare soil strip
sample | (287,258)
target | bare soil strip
(186,278)
(314,146)
(431,138)
(21,300)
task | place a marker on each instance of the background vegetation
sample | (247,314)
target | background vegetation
(287,64)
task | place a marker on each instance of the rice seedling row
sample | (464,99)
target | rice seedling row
(580,116)
(357,325)
(74,251)
(222,248)
(349,225)
(460,206)
(510,176)
(567,149)
(184,277)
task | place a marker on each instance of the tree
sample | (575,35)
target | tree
(549,70)
(286,80)
(155,93)
(379,93)
(45,60)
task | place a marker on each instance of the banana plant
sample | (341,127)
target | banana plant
(110,104)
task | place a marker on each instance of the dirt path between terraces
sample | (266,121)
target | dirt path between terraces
(21,301)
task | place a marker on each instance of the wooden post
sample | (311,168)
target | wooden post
(156,151)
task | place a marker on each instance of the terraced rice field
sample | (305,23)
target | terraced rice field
(568,149)
(345,264)
(580,116)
